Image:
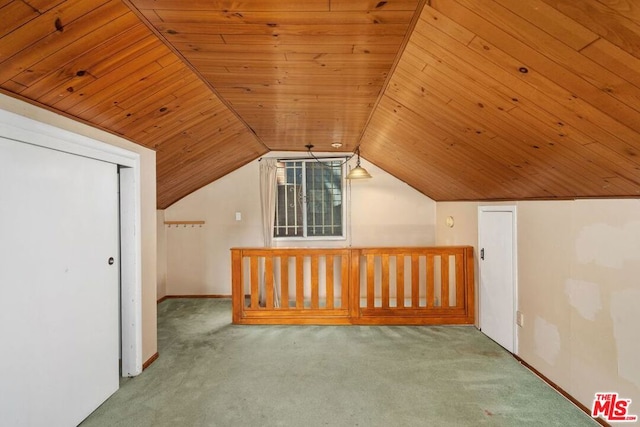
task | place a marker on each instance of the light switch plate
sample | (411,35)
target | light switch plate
(520,318)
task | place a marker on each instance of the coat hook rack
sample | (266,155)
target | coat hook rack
(184,223)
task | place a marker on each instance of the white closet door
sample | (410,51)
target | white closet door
(497,280)
(58,292)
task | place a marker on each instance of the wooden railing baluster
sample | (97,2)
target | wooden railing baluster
(237,285)
(400,280)
(444,278)
(431,278)
(284,282)
(351,283)
(268,281)
(299,281)
(460,281)
(329,281)
(385,280)
(371,282)
(315,284)
(415,280)
(255,294)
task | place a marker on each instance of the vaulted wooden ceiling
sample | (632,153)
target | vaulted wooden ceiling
(461,99)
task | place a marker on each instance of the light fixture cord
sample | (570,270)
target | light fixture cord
(310,146)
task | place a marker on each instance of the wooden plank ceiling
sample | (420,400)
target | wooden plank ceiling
(461,99)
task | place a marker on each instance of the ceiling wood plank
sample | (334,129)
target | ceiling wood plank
(276,18)
(64,79)
(130,89)
(614,27)
(355,5)
(545,55)
(552,21)
(187,29)
(313,40)
(227,5)
(627,8)
(615,60)
(102,88)
(29,44)
(16,14)
(542,135)
(110,28)
(539,88)
(561,103)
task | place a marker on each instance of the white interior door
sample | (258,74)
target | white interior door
(497,304)
(59,304)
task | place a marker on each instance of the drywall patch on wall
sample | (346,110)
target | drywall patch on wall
(626,318)
(547,340)
(608,246)
(584,296)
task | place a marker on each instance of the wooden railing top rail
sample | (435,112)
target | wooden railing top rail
(377,249)
(425,250)
(291,251)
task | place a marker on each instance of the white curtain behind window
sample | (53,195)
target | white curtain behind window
(268,191)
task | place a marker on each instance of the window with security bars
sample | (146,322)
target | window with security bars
(310,199)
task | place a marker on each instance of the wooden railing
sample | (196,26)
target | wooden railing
(430,285)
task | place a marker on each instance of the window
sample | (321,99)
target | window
(310,199)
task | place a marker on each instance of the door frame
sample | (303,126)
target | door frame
(514,260)
(26,130)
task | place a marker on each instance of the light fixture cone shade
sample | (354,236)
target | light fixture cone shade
(358,173)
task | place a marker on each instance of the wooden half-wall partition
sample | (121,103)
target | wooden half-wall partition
(362,286)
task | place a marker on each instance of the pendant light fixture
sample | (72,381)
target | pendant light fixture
(358,172)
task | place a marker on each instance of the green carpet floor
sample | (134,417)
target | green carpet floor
(212,373)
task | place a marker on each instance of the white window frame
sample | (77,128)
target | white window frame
(343,190)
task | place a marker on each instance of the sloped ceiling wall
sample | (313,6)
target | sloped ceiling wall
(461,99)
(512,99)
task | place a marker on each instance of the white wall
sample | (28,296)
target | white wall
(198,258)
(385,212)
(579,290)
(161,291)
(148,208)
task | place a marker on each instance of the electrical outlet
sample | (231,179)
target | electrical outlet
(238,216)
(520,318)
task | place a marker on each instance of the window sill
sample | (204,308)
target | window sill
(310,239)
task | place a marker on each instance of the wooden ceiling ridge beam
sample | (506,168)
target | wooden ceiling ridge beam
(414,20)
(163,39)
